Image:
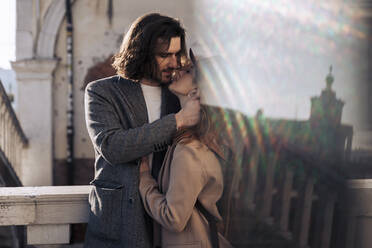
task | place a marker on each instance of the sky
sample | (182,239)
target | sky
(278,53)
(7,29)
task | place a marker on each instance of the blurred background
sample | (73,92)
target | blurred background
(288,79)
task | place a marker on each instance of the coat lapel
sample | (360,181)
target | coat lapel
(135,99)
(164,174)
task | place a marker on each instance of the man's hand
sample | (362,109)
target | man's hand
(189,115)
(144,166)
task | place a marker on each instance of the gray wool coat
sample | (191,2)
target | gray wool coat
(117,123)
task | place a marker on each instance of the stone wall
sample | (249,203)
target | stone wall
(41,71)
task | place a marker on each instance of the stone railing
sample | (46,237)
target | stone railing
(298,201)
(47,211)
(360,215)
(12,138)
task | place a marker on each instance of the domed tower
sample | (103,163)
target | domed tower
(326,109)
(331,138)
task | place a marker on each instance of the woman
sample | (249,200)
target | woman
(191,171)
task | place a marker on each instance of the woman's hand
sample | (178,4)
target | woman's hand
(144,166)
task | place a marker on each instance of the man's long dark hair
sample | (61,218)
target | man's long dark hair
(136,58)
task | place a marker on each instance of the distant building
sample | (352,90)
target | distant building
(323,135)
(8,79)
(311,157)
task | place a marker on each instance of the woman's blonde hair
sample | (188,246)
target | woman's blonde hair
(204,131)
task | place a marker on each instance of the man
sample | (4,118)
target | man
(129,116)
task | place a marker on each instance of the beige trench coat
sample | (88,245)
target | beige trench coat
(194,173)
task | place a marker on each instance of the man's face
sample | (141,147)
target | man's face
(167,58)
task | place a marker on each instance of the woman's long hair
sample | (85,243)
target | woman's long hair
(136,58)
(204,131)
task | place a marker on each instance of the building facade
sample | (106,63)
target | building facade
(41,72)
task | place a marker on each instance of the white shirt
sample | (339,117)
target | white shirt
(152,95)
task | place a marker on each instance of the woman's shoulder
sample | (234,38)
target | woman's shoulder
(190,145)
(196,149)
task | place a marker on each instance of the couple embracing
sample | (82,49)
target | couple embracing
(157,160)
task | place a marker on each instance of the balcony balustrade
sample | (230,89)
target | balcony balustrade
(47,211)
(12,140)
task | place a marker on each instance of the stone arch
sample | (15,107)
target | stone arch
(48,34)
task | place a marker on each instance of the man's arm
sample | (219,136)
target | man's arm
(116,143)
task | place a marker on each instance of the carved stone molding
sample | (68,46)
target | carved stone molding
(35,69)
(48,34)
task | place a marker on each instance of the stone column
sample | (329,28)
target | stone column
(25,35)
(34,78)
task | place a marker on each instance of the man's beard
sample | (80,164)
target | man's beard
(166,79)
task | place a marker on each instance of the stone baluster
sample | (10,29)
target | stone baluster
(324,217)
(303,213)
(285,195)
(11,141)
(6,147)
(252,180)
(2,124)
(265,211)
(328,220)
(12,138)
